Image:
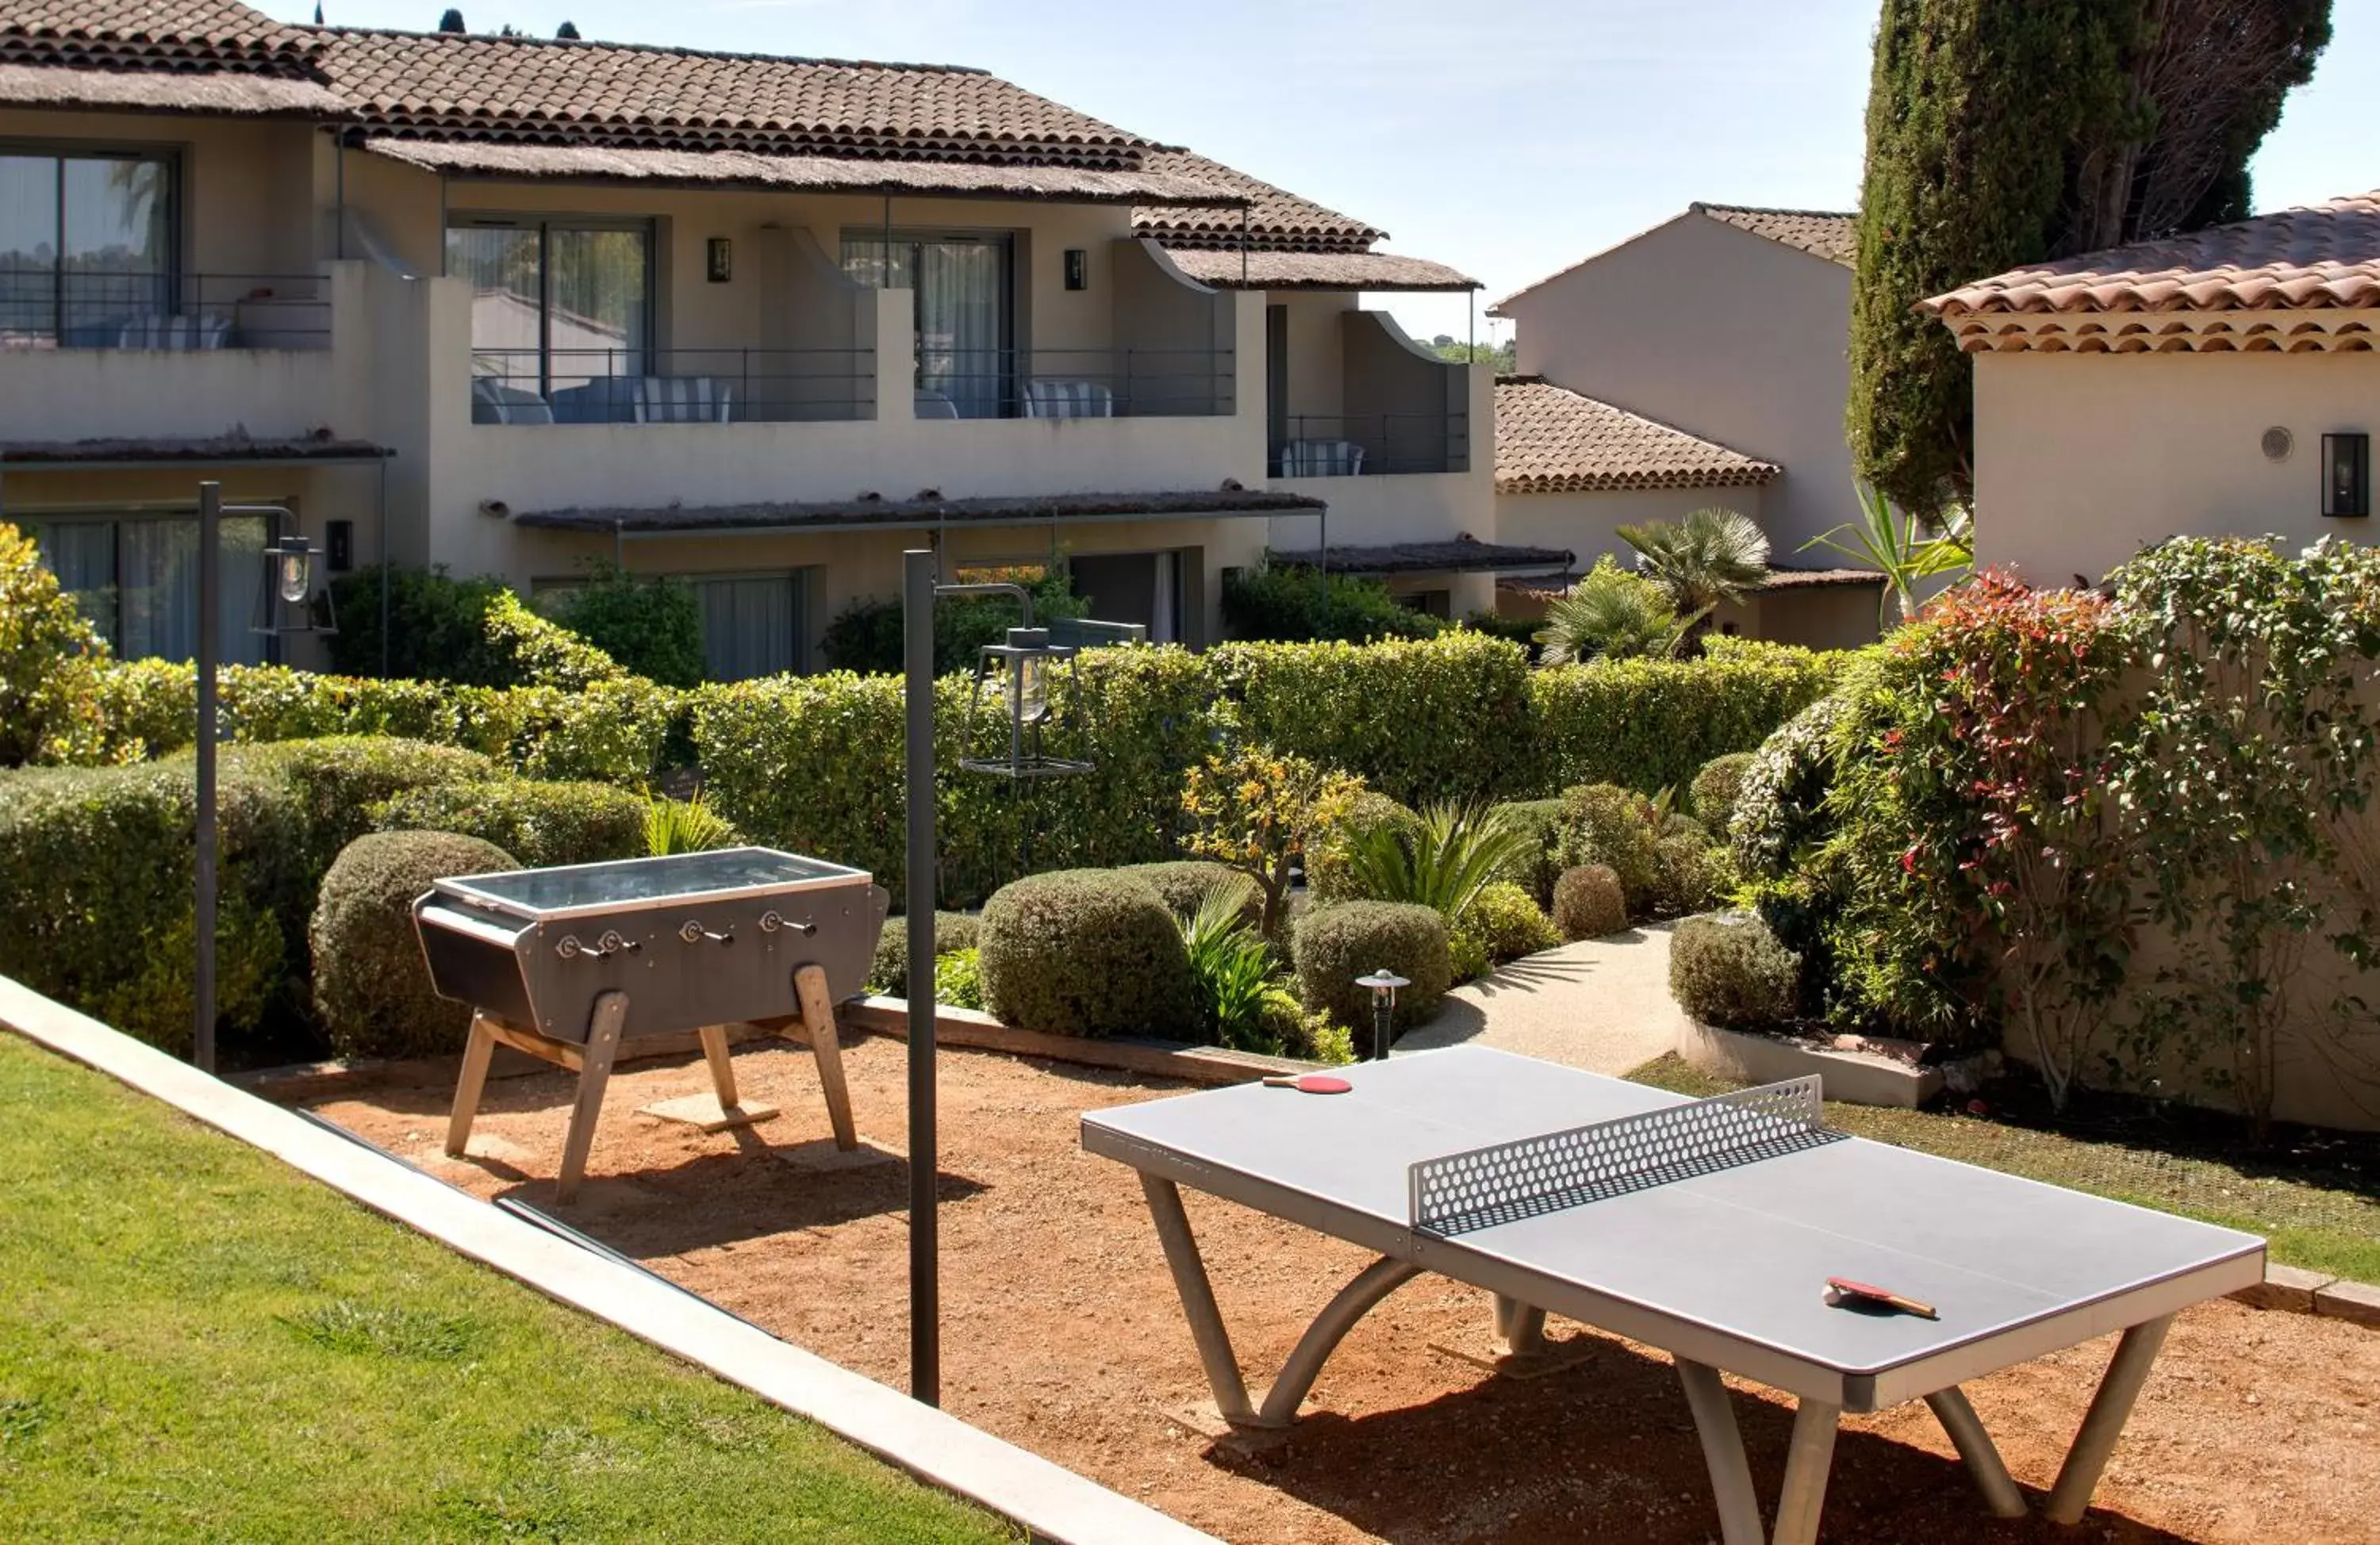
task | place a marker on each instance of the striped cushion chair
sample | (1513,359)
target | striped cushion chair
(682,400)
(1322,458)
(177,334)
(1068,399)
(494,403)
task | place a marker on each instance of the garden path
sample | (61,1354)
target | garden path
(1603,1004)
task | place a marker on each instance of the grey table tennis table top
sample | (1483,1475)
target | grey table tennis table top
(1728,1267)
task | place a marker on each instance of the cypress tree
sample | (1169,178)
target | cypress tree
(2008,132)
(452,21)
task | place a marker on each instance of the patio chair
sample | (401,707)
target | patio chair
(1068,399)
(934,404)
(1322,458)
(682,400)
(604,400)
(493,402)
(175,334)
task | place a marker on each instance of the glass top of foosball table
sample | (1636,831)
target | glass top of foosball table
(635,883)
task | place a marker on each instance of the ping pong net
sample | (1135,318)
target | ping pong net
(1527,1177)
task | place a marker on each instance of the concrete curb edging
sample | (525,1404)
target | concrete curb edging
(2296,1290)
(1855,1078)
(1052,1501)
(972,1027)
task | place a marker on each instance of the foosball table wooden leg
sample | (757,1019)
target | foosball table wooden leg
(594,1072)
(467,1089)
(722,1071)
(818,1023)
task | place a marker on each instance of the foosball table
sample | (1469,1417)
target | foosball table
(570,964)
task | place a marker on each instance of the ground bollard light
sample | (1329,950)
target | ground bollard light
(1384,984)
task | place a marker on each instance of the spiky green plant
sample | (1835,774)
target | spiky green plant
(1711,557)
(1898,547)
(1232,967)
(1609,614)
(685,826)
(1442,861)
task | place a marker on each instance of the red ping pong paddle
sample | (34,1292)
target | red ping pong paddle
(1310,1083)
(1843,1290)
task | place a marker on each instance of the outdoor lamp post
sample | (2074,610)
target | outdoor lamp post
(1384,984)
(1017,673)
(288,569)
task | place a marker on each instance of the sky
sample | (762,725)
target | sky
(1508,138)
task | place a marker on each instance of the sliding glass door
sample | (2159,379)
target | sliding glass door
(966,336)
(137,578)
(86,245)
(556,305)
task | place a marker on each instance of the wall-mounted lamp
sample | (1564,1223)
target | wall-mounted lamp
(719,260)
(339,545)
(2347,475)
(1078,269)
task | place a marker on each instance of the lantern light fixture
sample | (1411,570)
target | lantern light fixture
(2347,475)
(287,600)
(1383,983)
(1018,673)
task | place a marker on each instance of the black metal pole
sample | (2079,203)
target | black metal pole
(210,596)
(925,1242)
(1384,1014)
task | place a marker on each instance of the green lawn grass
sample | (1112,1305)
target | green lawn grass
(198,1343)
(2313,1220)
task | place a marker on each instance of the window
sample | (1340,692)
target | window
(962,287)
(86,245)
(136,576)
(751,624)
(557,307)
(1144,587)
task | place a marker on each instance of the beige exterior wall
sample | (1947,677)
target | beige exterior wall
(2082,459)
(1588,524)
(395,366)
(1725,335)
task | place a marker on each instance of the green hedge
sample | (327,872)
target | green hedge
(1086,952)
(1649,725)
(540,823)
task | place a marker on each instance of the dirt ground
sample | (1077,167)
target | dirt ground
(1062,1334)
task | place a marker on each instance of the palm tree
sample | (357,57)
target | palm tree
(1711,557)
(1609,614)
(1896,545)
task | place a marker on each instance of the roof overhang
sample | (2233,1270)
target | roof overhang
(122,455)
(1462,556)
(1229,269)
(236,93)
(911,514)
(806,173)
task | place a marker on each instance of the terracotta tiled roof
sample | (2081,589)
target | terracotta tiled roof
(1278,221)
(538,91)
(2325,256)
(1551,440)
(807,174)
(1821,233)
(1464,555)
(1222,268)
(150,35)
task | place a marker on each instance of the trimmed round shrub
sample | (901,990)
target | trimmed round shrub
(541,824)
(1089,952)
(371,985)
(888,972)
(1619,828)
(1328,876)
(1332,946)
(1728,970)
(1779,805)
(1692,874)
(1588,902)
(1716,788)
(1186,883)
(1509,922)
(1533,870)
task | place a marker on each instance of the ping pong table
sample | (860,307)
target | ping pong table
(1707,1228)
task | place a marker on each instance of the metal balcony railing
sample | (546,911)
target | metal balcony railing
(671,386)
(1074,383)
(52,308)
(1349,445)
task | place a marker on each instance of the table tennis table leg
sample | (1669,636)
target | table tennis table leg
(1809,1457)
(1350,1304)
(1521,1327)
(1974,1445)
(1738,1505)
(2110,1408)
(1215,1352)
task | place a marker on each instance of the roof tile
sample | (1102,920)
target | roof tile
(1277,219)
(1821,233)
(1551,440)
(150,34)
(2320,257)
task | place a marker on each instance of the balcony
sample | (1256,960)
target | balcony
(1122,382)
(1400,409)
(136,356)
(1377,444)
(700,385)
